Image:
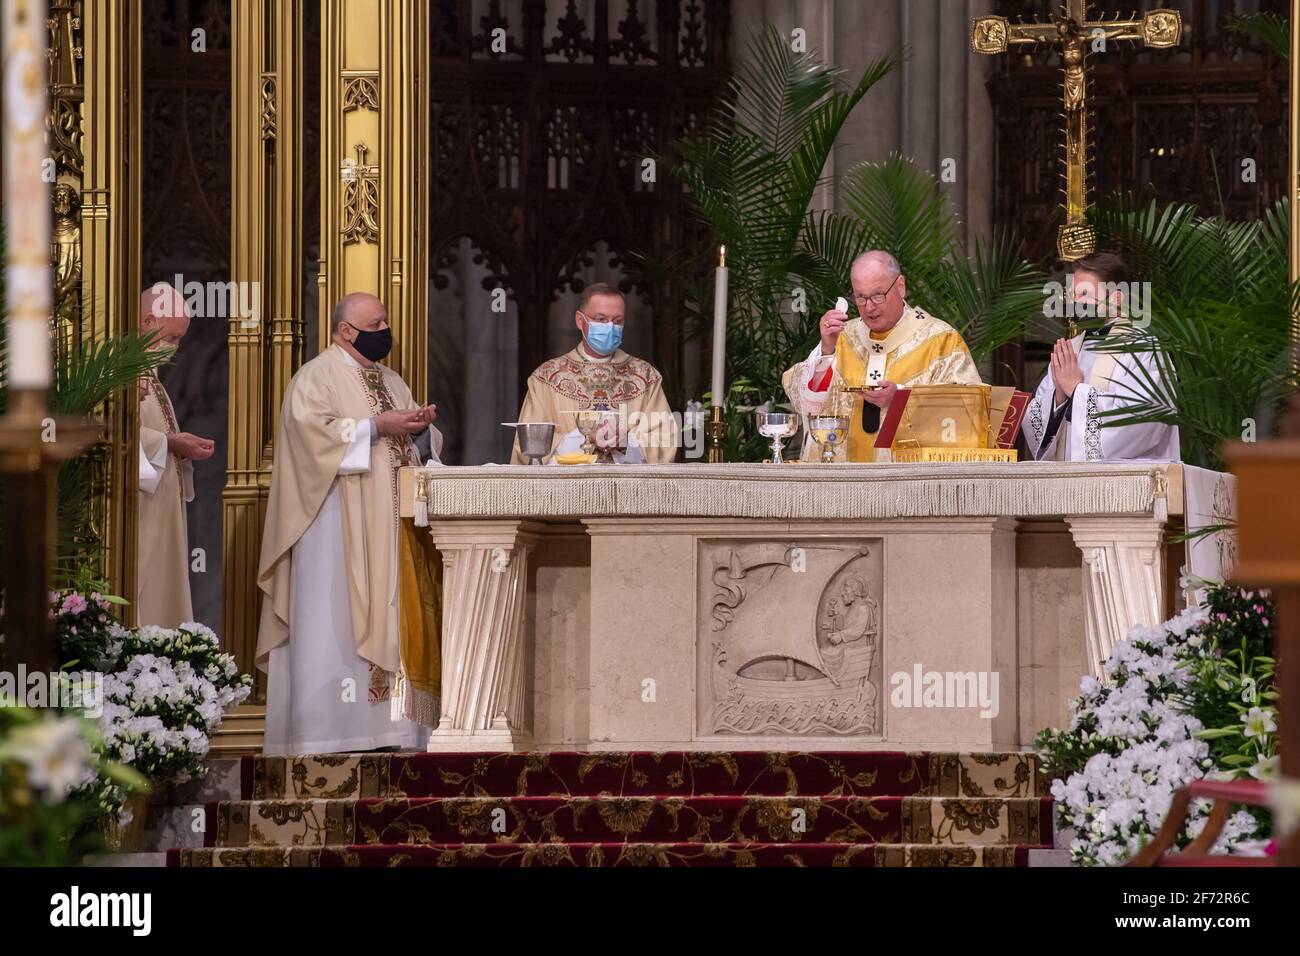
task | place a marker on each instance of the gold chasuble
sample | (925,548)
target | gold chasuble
(575,381)
(918,350)
(327,402)
(166,484)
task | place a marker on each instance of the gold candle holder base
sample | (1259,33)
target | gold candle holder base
(716,430)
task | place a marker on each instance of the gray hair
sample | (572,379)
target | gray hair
(878,257)
(339,315)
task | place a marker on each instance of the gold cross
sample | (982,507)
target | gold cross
(1076,36)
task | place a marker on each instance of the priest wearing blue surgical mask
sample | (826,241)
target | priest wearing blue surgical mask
(597,373)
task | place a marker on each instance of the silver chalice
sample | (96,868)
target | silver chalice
(777,426)
(535,440)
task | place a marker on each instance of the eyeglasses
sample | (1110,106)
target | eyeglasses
(613,319)
(879,298)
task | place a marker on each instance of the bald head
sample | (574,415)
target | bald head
(877,261)
(360,310)
(164,313)
(357,314)
(879,288)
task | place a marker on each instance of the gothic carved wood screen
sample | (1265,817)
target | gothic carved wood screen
(185,211)
(543,115)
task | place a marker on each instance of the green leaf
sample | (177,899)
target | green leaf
(1236,760)
(1218,733)
(1267,29)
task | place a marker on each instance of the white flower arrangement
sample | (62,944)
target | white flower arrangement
(165,694)
(1140,746)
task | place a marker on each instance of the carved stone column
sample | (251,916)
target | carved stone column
(486,689)
(1123,577)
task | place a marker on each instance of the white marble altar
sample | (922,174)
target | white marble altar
(801,606)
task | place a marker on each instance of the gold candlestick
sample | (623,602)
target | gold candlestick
(716,430)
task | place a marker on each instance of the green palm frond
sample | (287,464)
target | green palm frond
(752,177)
(84,378)
(1187,256)
(830,243)
(1267,29)
(1222,369)
(991,300)
(1220,313)
(903,211)
(97,370)
(775,92)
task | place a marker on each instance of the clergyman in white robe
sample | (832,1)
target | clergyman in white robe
(329,572)
(1074,430)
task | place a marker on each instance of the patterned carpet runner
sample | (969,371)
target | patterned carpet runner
(630,809)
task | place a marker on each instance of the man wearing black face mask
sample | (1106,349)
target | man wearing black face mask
(330,632)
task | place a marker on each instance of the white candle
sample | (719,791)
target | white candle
(29,296)
(720,328)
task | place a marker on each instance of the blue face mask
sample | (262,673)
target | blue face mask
(604,338)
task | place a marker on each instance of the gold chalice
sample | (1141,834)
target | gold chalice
(594,422)
(829,431)
(830,427)
(588,422)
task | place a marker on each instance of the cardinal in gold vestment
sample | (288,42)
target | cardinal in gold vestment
(597,373)
(890,345)
(332,639)
(166,481)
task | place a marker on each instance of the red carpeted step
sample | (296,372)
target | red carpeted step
(603,854)
(538,854)
(628,774)
(551,819)
(699,808)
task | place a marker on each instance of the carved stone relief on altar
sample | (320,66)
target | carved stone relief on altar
(790,637)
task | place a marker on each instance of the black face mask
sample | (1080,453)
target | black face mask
(373,345)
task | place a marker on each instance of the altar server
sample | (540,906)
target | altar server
(1063,421)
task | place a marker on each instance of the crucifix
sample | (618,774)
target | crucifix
(1076,36)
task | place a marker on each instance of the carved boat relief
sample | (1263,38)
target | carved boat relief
(792,632)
